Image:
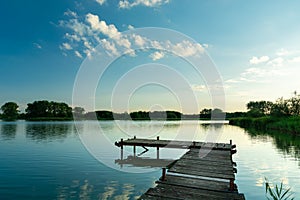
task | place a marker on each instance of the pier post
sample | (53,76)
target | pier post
(134,151)
(163,176)
(231,184)
(121,143)
(157,149)
(121,154)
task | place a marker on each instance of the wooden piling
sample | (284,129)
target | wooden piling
(163,176)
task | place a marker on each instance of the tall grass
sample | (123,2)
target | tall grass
(283,124)
(278,192)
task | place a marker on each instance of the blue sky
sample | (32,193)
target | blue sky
(255,46)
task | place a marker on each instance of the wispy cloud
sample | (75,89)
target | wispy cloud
(126,4)
(78,54)
(257,60)
(65,46)
(276,62)
(70,13)
(37,45)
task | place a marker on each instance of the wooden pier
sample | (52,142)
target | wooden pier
(205,171)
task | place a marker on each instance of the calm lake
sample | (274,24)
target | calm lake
(67,160)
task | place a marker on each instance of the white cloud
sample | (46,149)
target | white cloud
(110,47)
(277,62)
(157,55)
(130,27)
(101,26)
(108,30)
(255,60)
(78,54)
(92,31)
(70,13)
(125,4)
(232,81)
(66,46)
(139,40)
(184,48)
(37,45)
(79,28)
(101,2)
(88,53)
(205,46)
(72,37)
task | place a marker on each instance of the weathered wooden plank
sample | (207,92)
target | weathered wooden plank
(210,151)
(211,155)
(203,165)
(178,192)
(196,183)
(227,161)
(206,173)
(209,172)
(206,162)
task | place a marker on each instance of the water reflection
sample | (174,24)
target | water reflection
(287,144)
(8,131)
(113,187)
(213,126)
(48,131)
(76,190)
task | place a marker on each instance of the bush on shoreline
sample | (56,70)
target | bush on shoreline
(282,124)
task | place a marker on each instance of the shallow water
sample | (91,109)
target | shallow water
(63,160)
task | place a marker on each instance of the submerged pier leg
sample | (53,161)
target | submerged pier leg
(163,176)
(134,151)
(157,149)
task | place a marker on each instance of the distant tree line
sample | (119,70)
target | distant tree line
(51,110)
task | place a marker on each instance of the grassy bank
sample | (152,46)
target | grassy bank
(282,124)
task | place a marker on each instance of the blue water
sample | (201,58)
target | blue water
(61,160)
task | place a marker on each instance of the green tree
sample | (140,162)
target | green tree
(205,113)
(280,108)
(10,111)
(294,104)
(259,108)
(46,109)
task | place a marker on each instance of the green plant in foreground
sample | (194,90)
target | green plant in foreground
(278,192)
